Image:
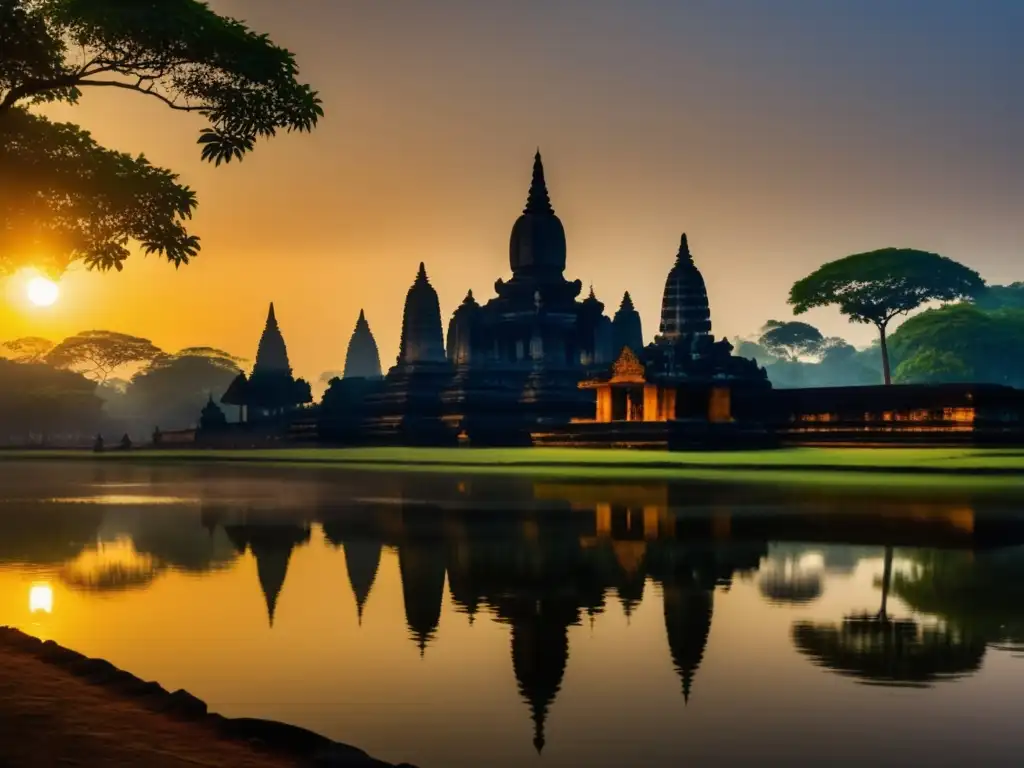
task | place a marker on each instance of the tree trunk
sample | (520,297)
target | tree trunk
(885,355)
(886,580)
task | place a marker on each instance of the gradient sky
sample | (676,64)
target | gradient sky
(778,134)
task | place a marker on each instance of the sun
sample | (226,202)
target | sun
(42,292)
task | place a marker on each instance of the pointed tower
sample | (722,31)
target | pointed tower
(422,570)
(363,359)
(684,307)
(362,559)
(540,652)
(422,340)
(272,354)
(271,547)
(688,611)
(537,246)
(626,327)
(462,339)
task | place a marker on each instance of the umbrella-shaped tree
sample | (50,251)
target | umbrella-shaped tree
(877,649)
(877,286)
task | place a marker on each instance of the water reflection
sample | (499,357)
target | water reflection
(541,558)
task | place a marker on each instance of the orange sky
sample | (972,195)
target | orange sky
(772,137)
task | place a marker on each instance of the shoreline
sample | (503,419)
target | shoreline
(147,708)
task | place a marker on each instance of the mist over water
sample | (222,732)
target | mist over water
(464,621)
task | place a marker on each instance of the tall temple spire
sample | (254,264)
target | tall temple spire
(363,358)
(538,200)
(272,354)
(684,251)
(537,245)
(627,330)
(685,313)
(422,338)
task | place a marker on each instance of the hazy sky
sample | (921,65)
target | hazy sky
(778,134)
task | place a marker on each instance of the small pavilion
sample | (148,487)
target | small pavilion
(630,394)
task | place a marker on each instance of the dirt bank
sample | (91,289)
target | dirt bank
(58,707)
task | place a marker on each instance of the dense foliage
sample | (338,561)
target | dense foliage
(961,343)
(97,354)
(172,390)
(39,403)
(61,193)
(877,286)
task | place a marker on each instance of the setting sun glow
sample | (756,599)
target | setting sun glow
(42,292)
(40,598)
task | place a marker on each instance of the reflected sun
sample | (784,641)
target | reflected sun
(42,292)
(40,598)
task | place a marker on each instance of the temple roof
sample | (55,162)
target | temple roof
(688,612)
(362,359)
(272,354)
(684,308)
(422,337)
(537,245)
(538,201)
(627,330)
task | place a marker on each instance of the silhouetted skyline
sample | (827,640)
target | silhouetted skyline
(779,135)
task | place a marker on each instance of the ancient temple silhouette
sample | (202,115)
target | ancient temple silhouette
(271,547)
(685,313)
(362,361)
(627,328)
(540,652)
(688,610)
(504,366)
(271,354)
(408,407)
(354,532)
(422,570)
(271,389)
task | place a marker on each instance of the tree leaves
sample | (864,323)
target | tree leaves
(63,195)
(876,286)
(97,354)
(64,198)
(791,340)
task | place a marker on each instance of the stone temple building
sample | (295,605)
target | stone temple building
(510,368)
(505,366)
(683,387)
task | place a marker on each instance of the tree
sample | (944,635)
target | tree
(791,340)
(877,286)
(29,349)
(961,343)
(63,194)
(97,354)
(1001,297)
(39,400)
(173,389)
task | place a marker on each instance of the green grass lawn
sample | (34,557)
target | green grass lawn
(923,460)
(914,471)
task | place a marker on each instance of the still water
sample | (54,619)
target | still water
(467,621)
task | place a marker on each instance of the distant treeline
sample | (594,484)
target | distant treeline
(66,393)
(972,341)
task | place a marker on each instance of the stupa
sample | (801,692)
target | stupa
(362,360)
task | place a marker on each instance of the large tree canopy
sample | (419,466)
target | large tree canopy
(791,340)
(27,349)
(39,400)
(961,343)
(877,286)
(172,390)
(97,354)
(63,195)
